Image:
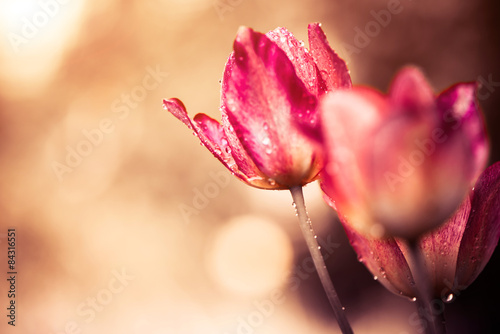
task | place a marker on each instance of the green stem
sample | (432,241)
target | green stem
(319,263)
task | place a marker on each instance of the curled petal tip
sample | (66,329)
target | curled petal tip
(177,108)
(410,89)
(243,33)
(173,104)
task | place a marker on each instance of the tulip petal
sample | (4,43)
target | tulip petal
(333,69)
(410,93)
(440,248)
(262,96)
(384,259)
(212,136)
(299,56)
(349,119)
(462,117)
(482,232)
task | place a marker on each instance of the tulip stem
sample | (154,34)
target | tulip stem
(434,319)
(319,263)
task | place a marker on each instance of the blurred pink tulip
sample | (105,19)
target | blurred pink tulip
(400,164)
(455,253)
(271,82)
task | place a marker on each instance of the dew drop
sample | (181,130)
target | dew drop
(315,237)
(271,181)
(375,278)
(414,299)
(450,298)
(343,308)
(319,247)
(265,126)
(269,150)
(266,141)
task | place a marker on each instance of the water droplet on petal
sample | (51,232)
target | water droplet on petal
(319,247)
(450,298)
(271,181)
(414,299)
(266,141)
(343,308)
(375,278)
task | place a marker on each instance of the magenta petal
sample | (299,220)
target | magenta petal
(177,108)
(348,119)
(262,96)
(304,65)
(212,135)
(483,227)
(461,115)
(440,248)
(208,130)
(384,259)
(333,69)
(410,92)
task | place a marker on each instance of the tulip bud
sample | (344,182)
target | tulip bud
(400,164)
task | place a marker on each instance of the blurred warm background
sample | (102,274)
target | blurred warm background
(125,224)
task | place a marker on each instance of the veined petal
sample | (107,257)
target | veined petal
(299,56)
(383,258)
(212,136)
(333,69)
(262,96)
(440,248)
(461,117)
(482,232)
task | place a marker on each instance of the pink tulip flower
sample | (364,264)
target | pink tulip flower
(455,253)
(400,164)
(271,82)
